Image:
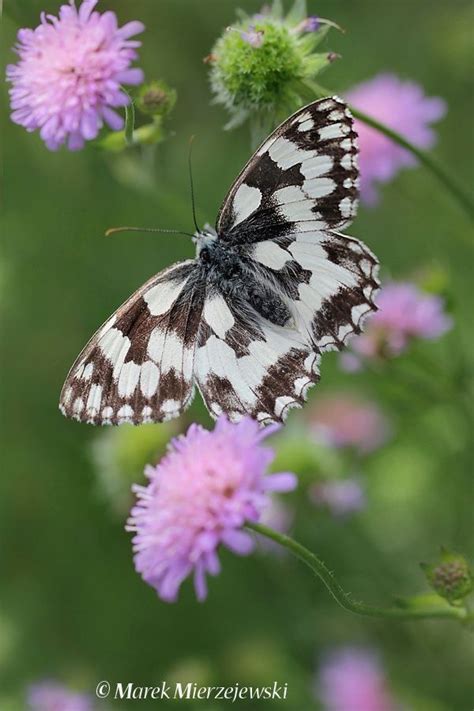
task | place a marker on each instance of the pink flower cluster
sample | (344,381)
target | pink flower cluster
(352,679)
(69,76)
(342,497)
(403,107)
(49,695)
(343,420)
(200,496)
(405,313)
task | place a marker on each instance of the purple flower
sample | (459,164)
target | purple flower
(352,679)
(50,696)
(69,76)
(405,313)
(199,496)
(341,497)
(310,24)
(253,37)
(344,420)
(402,106)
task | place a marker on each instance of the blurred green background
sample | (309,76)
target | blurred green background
(72,606)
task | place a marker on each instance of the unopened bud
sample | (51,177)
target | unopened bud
(451,577)
(156,98)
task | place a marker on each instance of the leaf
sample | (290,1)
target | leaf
(297,13)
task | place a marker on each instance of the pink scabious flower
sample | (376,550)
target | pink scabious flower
(342,498)
(403,107)
(51,696)
(200,496)
(344,420)
(69,76)
(405,313)
(352,679)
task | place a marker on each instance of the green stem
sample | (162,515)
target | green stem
(429,161)
(343,598)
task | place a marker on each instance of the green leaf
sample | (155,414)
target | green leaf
(277,9)
(297,13)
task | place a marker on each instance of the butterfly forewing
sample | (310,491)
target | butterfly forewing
(306,171)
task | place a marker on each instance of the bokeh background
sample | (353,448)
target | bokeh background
(72,606)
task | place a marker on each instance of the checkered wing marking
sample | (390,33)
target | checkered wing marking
(246,365)
(305,172)
(328,280)
(139,366)
(283,214)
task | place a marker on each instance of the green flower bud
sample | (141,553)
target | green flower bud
(451,577)
(262,67)
(156,98)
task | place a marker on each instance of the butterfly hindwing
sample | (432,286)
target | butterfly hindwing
(245,365)
(139,366)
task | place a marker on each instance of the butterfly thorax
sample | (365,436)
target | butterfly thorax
(232,274)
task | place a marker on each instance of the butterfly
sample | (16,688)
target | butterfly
(271,288)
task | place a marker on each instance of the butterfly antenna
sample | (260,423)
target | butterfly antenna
(114,230)
(191,183)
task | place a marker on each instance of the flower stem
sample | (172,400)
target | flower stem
(457,191)
(427,611)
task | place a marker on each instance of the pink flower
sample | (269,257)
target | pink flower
(200,496)
(341,497)
(405,313)
(402,106)
(51,696)
(69,76)
(352,679)
(344,420)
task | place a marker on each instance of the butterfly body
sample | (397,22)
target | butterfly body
(270,289)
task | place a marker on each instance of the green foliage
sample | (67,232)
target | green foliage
(120,456)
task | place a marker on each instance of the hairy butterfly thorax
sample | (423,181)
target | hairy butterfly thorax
(270,289)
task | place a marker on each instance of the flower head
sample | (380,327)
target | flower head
(353,679)
(405,313)
(265,85)
(51,696)
(199,496)
(343,420)
(69,75)
(341,497)
(402,106)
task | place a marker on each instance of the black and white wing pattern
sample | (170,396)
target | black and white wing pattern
(139,366)
(248,365)
(282,216)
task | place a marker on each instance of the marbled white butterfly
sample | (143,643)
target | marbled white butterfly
(270,289)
